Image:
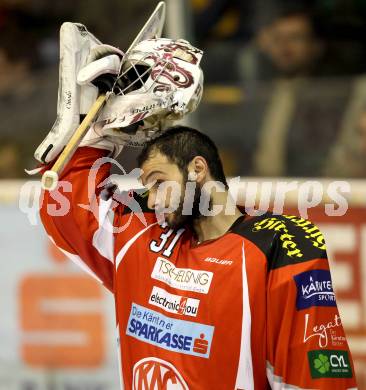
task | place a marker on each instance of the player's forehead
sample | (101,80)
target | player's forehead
(157,163)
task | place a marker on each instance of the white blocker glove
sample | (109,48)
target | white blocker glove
(83,55)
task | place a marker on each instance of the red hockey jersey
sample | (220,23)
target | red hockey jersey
(252,309)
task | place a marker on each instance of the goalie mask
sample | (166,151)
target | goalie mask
(160,80)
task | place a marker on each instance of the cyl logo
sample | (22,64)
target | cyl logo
(329,364)
(322,363)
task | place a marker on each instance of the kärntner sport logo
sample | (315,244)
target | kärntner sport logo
(314,288)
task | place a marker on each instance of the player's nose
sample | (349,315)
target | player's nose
(151,200)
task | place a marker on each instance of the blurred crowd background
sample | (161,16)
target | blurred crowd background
(284,96)
(285,89)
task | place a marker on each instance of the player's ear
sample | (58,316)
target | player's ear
(198,169)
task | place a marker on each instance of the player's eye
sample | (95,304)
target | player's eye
(158,182)
(153,186)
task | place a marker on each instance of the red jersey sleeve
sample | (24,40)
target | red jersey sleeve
(306,342)
(73,215)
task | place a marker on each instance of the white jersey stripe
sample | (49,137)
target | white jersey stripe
(128,244)
(119,355)
(103,238)
(244,377)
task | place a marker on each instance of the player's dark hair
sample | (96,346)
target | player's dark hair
(181,144)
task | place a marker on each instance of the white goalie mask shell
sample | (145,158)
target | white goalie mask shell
(160,80)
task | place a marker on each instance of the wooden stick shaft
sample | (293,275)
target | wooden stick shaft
(50,178)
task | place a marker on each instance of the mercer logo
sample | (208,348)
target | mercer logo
(182,278)
(172,303)
(156,374)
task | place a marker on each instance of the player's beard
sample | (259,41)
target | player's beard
(176,219)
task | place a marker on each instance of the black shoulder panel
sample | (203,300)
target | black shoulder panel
(263,241)
(284,239)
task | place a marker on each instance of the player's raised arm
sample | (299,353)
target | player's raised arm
(157,79)
(306,343)
(70,213)
(73,221)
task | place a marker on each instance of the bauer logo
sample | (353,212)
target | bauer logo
(173,303)
(149,326)
(182,278)
(314,288)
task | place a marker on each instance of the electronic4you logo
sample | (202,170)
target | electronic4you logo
(329,364)
(172,303)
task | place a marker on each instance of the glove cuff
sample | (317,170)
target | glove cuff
(94,139)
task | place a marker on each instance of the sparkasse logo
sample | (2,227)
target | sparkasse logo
(174,303)
(186,337)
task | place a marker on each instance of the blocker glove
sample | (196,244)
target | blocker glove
(83,58)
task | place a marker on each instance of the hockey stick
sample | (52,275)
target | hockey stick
(50,177)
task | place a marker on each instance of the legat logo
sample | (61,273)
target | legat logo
(156,374)
(324,332)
